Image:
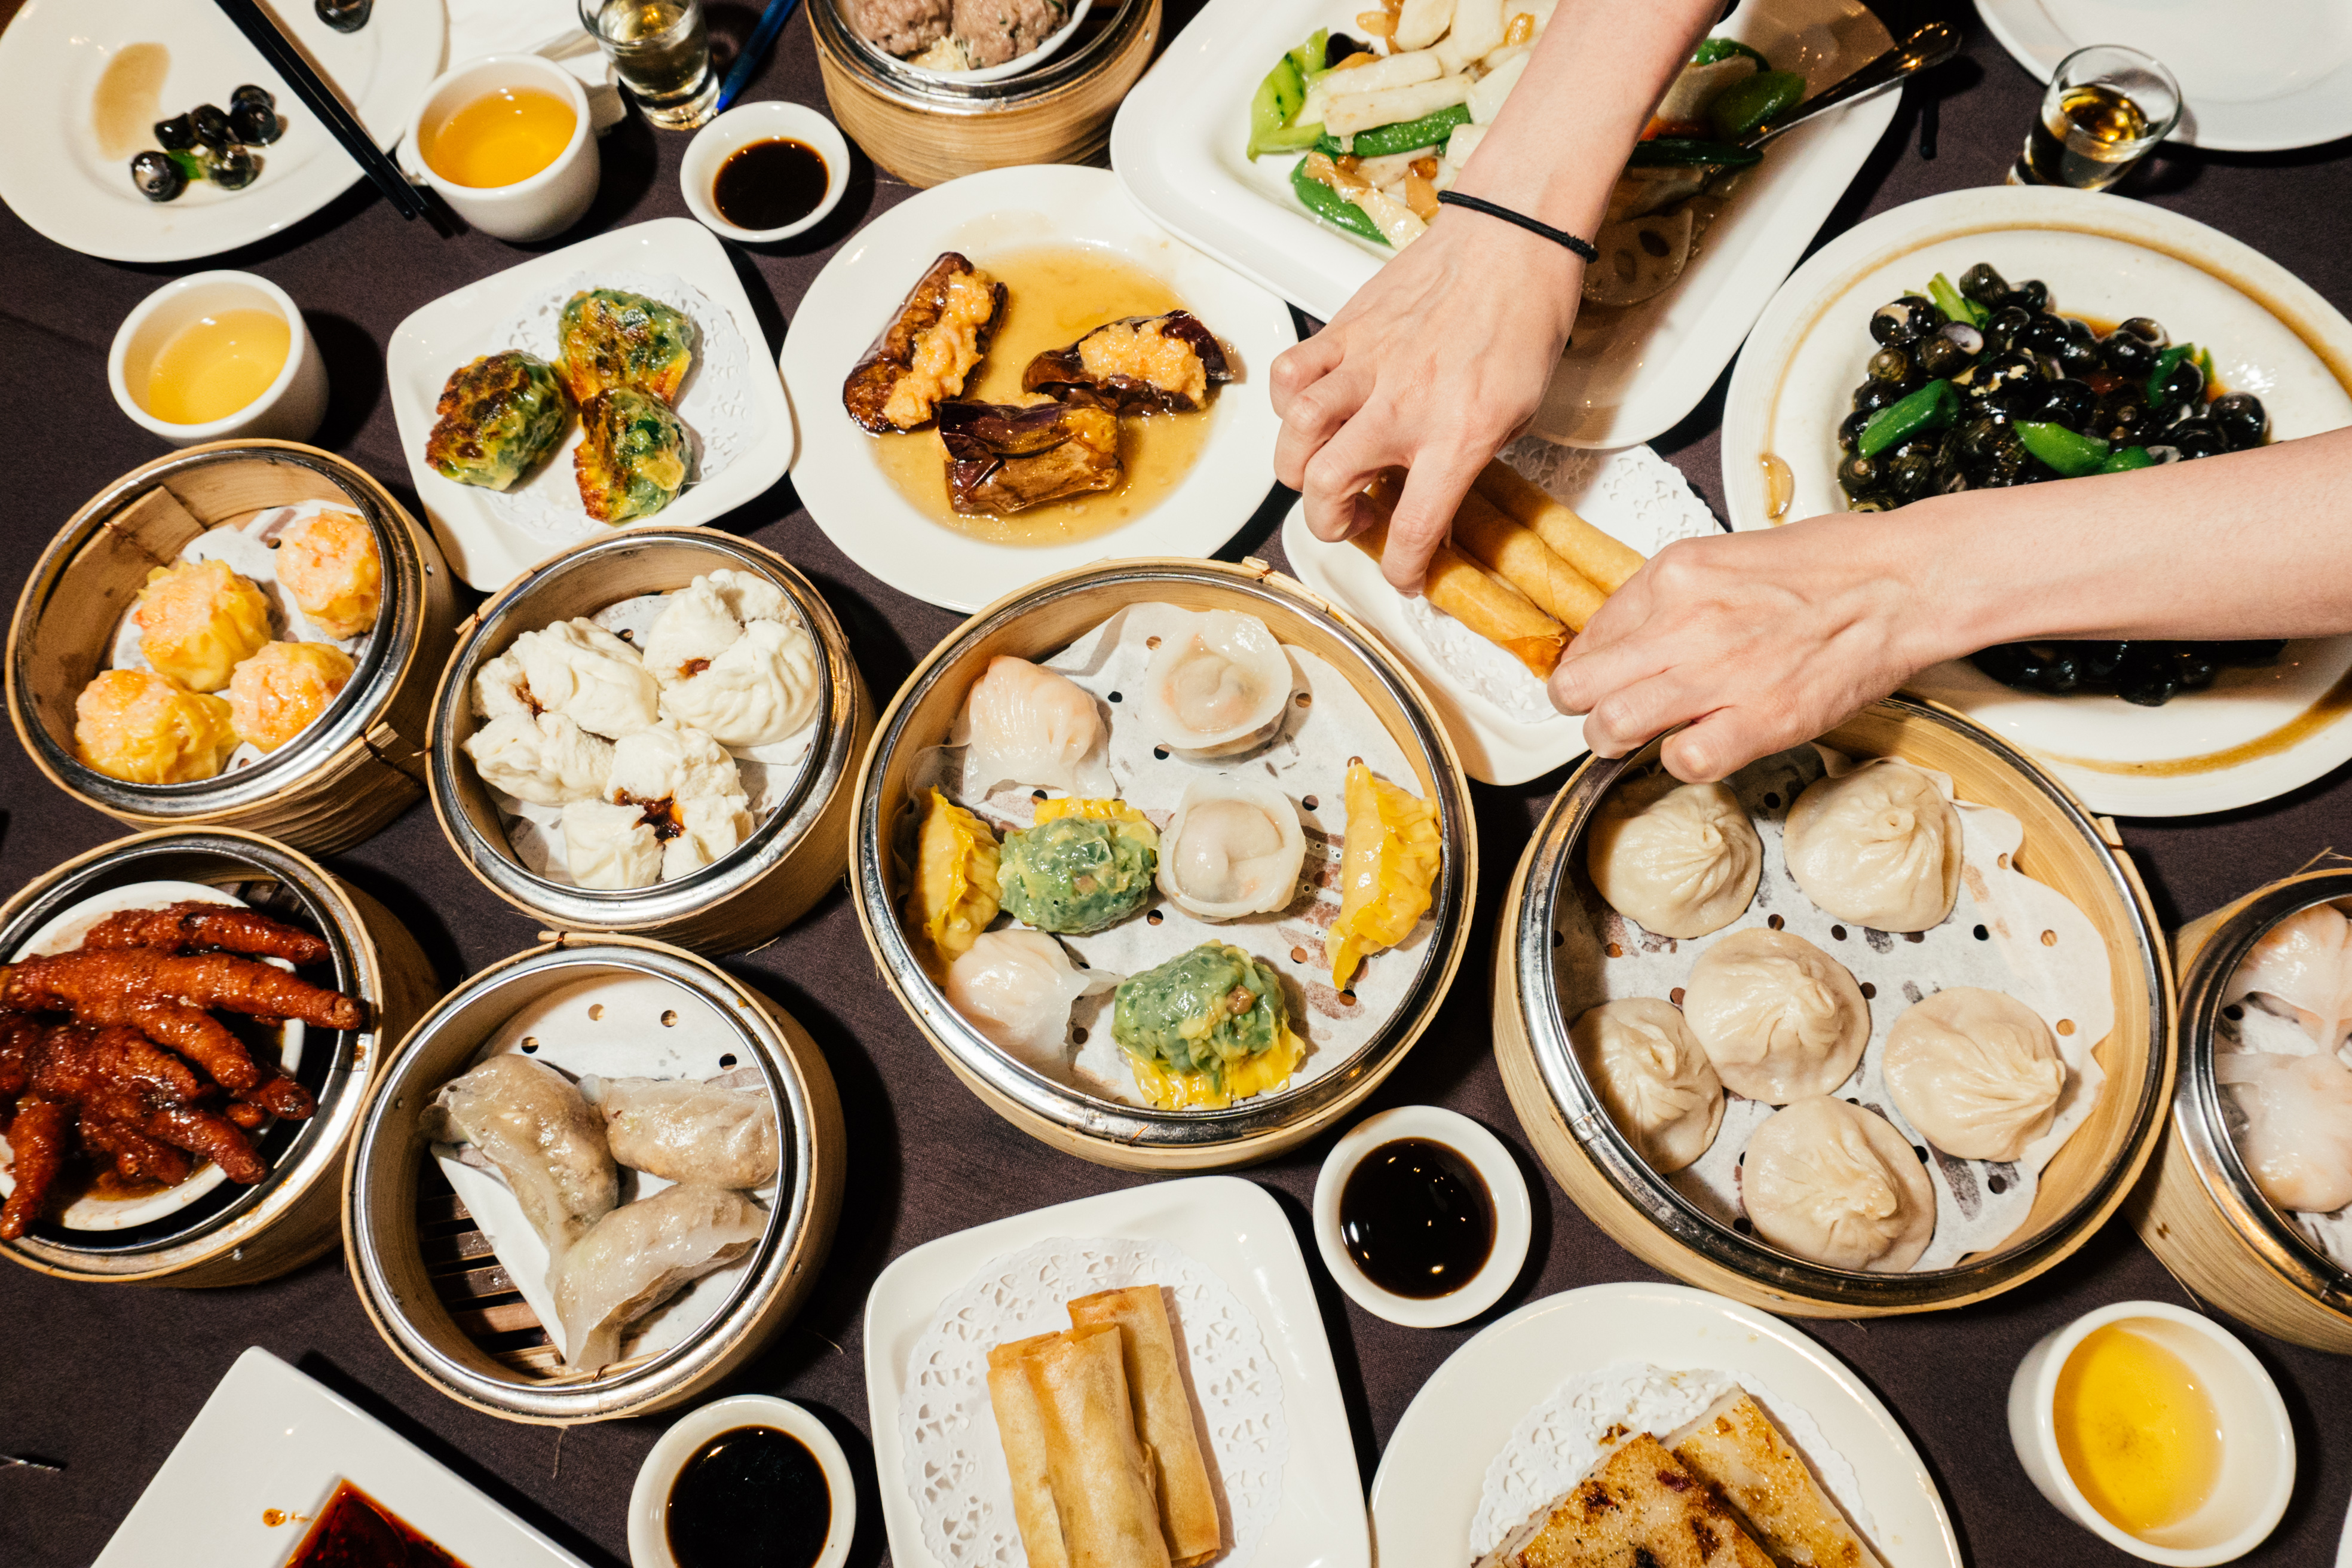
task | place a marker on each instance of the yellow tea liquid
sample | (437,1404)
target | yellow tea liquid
(2137,1433)
(217,365)
(501,138)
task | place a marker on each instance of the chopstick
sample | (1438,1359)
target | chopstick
(262,31)
(755,48)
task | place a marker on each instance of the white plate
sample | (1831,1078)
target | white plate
(483,547)
(58,180)
(1426,1493)
(2269,333)
(1230,1227)
(2259,76)
(271,1439)
(1179,146)
(858,294)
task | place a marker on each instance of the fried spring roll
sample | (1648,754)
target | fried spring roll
(1021,1429)
(1102,1482)
(1163,1416)
(1492,608)
(1607,562)
(1513,553)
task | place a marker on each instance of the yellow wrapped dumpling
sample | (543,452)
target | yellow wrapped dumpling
(275,694)
(1386,867)
(144,728)
(331,566)
(198,621)
(955,890)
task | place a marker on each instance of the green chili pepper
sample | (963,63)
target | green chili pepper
(1956,306)
(1931,407)
(1712,50)
(1404,136)
(2071,455)
(1308,56)
(2124,460)
(2164,364)
(1750,104)
(1686,153)
(1279,97)
(1331,206)
(2205,363)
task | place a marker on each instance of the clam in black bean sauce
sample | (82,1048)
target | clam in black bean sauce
(2036,396)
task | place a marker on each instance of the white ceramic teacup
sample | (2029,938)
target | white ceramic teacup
(2257,1442)
(1514,1222)
(649,1498)
(738,129)
(547,203)
(289,409)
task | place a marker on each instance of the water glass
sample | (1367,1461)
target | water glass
(2107,107)
(661,49)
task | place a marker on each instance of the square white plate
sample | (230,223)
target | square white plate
(271,1439)
(1179,145)
(485,549)
(1230,1227)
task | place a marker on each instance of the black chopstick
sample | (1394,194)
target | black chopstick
(262,31)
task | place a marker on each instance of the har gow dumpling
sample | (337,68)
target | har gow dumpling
(1654,1077)
(1676,859)
(1017,988)
(1879,845)
(2297,1141)
(1217,685)
(611,848)
(1977,1072)
(198,621)
(641,1255)
(1023,723)
(2304,962)
(1779,1018)
(762,689)
(690,1130)
(548,760)
(578,669)
(1838,1185)
(532,1125)
(1234,847)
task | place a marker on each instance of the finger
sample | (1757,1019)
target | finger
(1632,716)
(1718,745)
(1433,489)
(1335,477)
(1591,670)
(1302,364)
(1317,413)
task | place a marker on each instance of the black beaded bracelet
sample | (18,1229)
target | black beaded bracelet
(1556,235)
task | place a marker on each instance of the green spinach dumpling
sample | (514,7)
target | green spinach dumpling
(1205,1028)
(1086,864)
(632,458)
(612,339)
(498,417)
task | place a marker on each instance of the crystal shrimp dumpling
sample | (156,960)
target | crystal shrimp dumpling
(1023,723)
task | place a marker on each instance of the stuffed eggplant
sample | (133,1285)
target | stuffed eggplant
(1141,364)
(613,339)
(633,455)
(923,356)
(498,417)
(1003,457)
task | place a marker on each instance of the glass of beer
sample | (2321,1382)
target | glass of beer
(661,50)
(2107,106)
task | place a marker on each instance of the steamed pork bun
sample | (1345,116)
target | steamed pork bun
(198,621)
(734,662)
(144,728)
(276,694)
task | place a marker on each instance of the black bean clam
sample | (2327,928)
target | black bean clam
(158,176)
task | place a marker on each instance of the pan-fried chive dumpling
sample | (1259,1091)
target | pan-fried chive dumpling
(1837,1185)
(497,418)
(1678,860)
(632,458)
(1780,1019)
(144,728)
(612,339)
(1085,865)
(198,621)
(953,895)
(274,695)
(1387,863)
(1978,1073)
(330,565)
(1879,845)
(1205,1028)
(1654,1078)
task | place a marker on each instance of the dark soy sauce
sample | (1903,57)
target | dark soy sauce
(768,184)
(750,1498)
(1417,1219)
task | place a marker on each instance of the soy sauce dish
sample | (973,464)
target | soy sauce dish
(764,172)
(1421,1216)
(747,1482)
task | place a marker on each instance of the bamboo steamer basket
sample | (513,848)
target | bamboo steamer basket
(928,131)
(791,858)
(240,1235)
(2198,1209)
(336,783)
(2064,847)
(429,1298)
(1033,622)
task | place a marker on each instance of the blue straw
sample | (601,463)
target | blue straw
(755,49)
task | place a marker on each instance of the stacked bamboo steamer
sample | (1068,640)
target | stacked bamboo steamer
(338,781)
(1535,999)
(2199,1210)
(1036,622)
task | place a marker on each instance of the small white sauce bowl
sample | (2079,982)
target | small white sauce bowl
(289,409)
(1504,1186)
(2257,1441)
(649,1498)
(738,129)
(539,205)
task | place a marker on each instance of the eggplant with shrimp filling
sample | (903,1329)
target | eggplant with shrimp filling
(1140,364)
(1004,459)
(937,339)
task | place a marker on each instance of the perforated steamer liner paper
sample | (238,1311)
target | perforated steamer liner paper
(2036,947)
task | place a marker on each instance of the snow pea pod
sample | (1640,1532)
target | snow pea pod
(1711,51)
(1404,136)
(1331,206)
(2126,459)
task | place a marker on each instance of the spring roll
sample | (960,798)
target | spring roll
(1607,562)
(1101,1481)
(1492,608)
(1021,1429)
(1513,553)
(1163,1416)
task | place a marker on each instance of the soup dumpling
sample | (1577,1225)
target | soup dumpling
(198,621)
(1653,1076)
(546,758)
(1216,686)
(331,566)
(1977,1072)
(577,668)
(1678,860)
(274,695)
(144,728)
(1879,847)
(1837,1185)
(1234,847)
(1780,1019)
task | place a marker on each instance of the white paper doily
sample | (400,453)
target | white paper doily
(714,405)
(947,1428)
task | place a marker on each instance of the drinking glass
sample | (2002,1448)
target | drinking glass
(2107,106)
(661,49)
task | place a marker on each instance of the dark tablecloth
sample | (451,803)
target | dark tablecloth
(106,1379)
